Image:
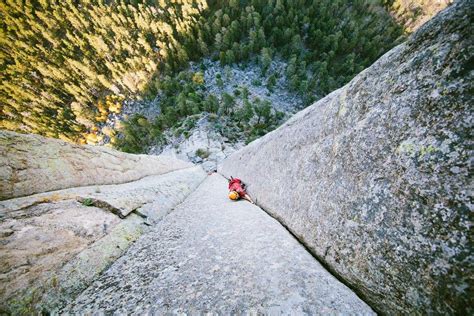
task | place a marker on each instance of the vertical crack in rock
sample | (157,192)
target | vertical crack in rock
(375,177)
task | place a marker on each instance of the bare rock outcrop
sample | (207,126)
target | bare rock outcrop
(215,256)
(375,177)
(32,164)
(53,244)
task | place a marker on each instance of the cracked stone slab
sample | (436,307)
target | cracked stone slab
(120,199)
(38,245)
(141,195)
(376,178)
(215,255)
(32,164)
(53,246)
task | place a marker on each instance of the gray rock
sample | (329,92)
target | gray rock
(32,164)
(53,244)
(45,236)
(213,255)
(238,75)
(203,137)
(375,177)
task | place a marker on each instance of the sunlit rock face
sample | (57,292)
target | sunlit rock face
(374,178)
(89,205)
(414,13)
(33,164)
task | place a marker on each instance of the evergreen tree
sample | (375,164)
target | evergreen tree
(60,61)
(265,59)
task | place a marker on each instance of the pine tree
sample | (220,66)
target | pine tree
(265,59)
(74,55)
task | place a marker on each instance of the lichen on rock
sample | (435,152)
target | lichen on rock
(375,177)
(32,164)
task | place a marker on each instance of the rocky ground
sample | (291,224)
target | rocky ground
(204,146)
(250,76)
(213,254)
(212,145)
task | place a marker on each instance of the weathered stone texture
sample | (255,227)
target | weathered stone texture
(375,177)
(54,243)
(215,256)
(53,247)
(32,164)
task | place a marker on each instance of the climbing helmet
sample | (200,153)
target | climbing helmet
(233,195)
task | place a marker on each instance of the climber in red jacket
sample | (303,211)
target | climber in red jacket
(237,190)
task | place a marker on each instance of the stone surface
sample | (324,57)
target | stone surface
(375,177)
(53,247)
(215,255)
(203,138)
(414,13)
(240,75)
(39,242)
(32,164)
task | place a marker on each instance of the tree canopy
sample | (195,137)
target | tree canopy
(67,65)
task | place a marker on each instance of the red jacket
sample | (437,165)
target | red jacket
(237,186)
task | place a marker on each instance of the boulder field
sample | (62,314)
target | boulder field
(375,179)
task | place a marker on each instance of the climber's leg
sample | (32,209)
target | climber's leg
(247,197)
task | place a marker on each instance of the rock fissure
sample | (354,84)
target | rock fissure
(213,254)
(321,261)
(365,205)
(72,235)
(407,119)
(89,201)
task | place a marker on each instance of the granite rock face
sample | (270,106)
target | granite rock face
(32,164)
(215,256)
(375,177)
(53,244)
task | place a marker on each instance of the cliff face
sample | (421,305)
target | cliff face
(54,243)
(374,178)
(31,164)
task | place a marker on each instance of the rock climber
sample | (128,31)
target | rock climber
(237,190)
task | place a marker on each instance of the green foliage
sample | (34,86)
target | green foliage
(256,82)
(220,83)
(244,113)
(326,42)
(59,58)
(202,153)
(271,82)
(138,134)
(211,104)
(87,202)
(182,103)
(182,99)
(228,103)
(265,59)
(245,92)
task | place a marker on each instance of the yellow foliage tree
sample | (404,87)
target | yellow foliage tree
(61,59)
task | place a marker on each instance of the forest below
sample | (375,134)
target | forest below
(66,66)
